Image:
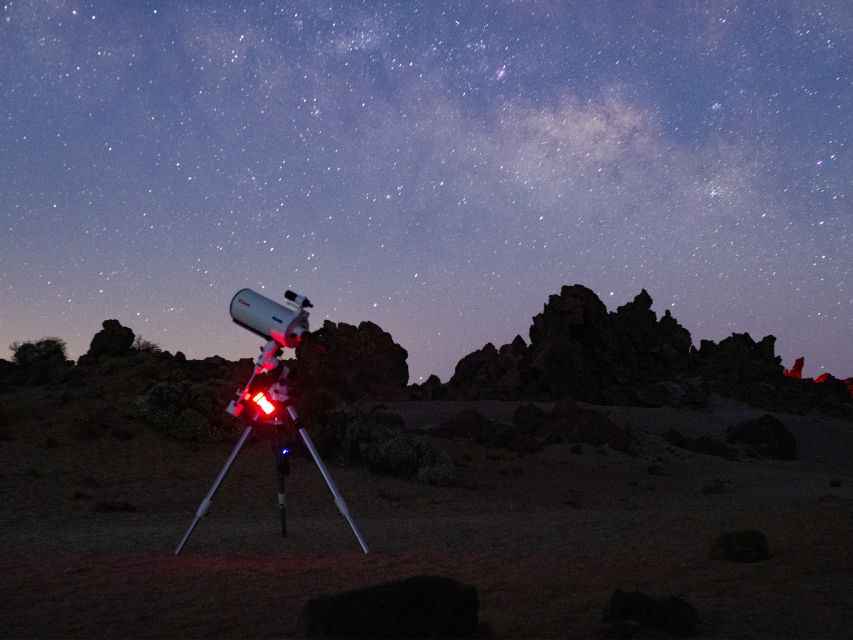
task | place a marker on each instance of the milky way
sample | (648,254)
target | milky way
(436,168)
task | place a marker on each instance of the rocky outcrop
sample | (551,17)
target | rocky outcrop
(418,607)
(631,357)
(354,363)
(577,349)
(113,340)
(738,365)
(490,372)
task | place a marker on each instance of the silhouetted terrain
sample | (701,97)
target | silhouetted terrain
(605,452)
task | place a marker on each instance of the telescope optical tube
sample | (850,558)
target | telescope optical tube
(268,319)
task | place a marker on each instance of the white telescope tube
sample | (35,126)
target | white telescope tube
(269,319)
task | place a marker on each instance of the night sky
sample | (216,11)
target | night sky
(437,168)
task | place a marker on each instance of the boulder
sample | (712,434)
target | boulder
(767,435)
(113,340)
(672,615)
(741,546)
(417,607)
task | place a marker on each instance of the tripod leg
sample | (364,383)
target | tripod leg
(205,504)
(339,499)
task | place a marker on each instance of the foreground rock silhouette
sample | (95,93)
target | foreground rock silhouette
(672,615)
(741,546)
(418,607)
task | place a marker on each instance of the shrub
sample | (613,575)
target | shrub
(40,361)
(379,441)
(187,411)
(145,346)
(44,350)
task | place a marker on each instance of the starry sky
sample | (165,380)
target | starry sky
(438,168)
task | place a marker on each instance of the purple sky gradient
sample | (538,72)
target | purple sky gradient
(437,168)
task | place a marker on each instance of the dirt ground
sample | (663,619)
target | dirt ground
(545,538)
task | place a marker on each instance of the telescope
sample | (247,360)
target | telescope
(271,320)
(266,400)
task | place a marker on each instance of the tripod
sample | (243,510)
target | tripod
(258,409)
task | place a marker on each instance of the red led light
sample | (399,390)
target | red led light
(263,403)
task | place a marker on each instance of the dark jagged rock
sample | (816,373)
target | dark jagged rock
(430,389)
(490,372)
(113,340)
(418,607)
(767,435)
(630,357)
(738,364)
(741,546)
(673,615)
(356,363)
(578,349)
(570,342)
